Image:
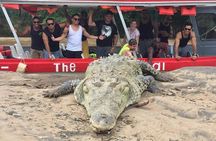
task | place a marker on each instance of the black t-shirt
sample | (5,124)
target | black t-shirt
(184,40)
(164,28)
(54,45)
(108,30)
(146,31)
(36,39)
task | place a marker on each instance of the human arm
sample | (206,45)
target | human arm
(26,31)
(167,33)
(176,45)
(171,32)
(128,53)
(63,35)
(156,30)
(194,47)
(90,19)
(86,34)
(67,16)
(124,41)
(46,43)
(194,43)
(137,39)
(115,40)
(63,24)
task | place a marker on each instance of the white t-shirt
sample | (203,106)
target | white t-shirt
(74,39)
(133,34)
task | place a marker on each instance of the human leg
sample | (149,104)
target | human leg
(36,53)
(102,51)
(85,49)
(57,54)
(184,51)
(150,55)
(143,49)
(45,54)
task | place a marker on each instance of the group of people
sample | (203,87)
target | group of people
(149,39)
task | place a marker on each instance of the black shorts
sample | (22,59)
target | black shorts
(72,54)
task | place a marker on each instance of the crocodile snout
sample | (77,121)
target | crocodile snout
(101,122)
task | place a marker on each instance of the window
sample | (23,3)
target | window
(206,23)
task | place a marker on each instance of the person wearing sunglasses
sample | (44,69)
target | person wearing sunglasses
(74,33)
(52,29)
(35,30)
(181,41)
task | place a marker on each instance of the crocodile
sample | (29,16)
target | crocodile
(110,85)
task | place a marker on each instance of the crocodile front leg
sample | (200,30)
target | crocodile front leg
(66,88)
(147,83)
(147,69)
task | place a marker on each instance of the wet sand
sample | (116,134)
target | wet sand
(184,110)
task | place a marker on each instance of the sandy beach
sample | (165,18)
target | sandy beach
(184,110)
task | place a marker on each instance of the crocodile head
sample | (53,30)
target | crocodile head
(104,99)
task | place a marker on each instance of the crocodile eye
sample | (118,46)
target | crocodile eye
(85,89)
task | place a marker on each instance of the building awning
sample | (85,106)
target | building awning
(166,10)
(32,9)
(123,8)
(163,10)
(116,2)
(188,11)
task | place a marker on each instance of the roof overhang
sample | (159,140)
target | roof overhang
(149,3)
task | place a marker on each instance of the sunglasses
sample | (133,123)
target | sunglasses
(50,24)
(36,22)
(187,29)
(76,19)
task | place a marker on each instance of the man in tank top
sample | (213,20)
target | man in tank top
(181,42)
(74,33)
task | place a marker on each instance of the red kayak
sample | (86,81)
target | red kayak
(80,65)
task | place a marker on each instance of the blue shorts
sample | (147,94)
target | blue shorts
(56,54)
(185,51)
(102,51)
